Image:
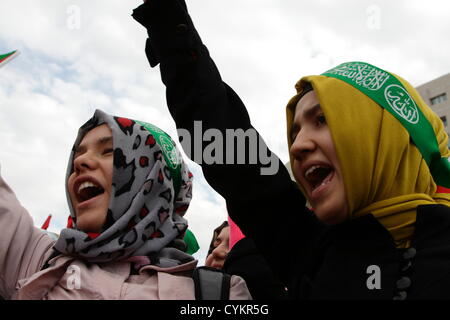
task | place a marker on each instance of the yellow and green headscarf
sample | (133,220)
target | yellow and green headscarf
(391,146)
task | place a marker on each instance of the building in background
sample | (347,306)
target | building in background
(436,94)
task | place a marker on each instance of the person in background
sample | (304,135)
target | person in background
(219,246)
(240,257)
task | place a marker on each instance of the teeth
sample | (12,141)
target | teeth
(310,170)
(85,185)
(324,183)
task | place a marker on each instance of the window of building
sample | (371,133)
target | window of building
(438,99)
(444,120)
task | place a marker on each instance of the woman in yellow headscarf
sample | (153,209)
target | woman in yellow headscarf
(382,171)
(357,149)
(366,152)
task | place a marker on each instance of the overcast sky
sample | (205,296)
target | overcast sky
(80,55)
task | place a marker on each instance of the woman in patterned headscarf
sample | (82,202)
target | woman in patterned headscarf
(126,182)
(128,190)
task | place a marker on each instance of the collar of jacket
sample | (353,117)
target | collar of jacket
(343,254)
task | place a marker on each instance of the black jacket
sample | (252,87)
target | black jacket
(245,260)
(353,260)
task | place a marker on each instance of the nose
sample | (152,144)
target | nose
(220,253)
(302,145)
(85,161)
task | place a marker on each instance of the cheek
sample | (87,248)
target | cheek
(341,185)
(209,260)
(296,169)
(70,185)
(223,250)
(297,175)
(329,148)
(343,198)
(339,202)
(108,172)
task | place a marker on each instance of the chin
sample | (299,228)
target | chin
(330,217)
(88,225)
(88,228)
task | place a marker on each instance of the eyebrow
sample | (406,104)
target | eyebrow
(312,111)
(307,114)
(101,141)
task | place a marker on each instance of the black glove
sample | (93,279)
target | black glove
(170,29)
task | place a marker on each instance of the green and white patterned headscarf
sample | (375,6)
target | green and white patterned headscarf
(151,191)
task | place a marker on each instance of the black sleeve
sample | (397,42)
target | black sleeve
(246,261)
(269,208)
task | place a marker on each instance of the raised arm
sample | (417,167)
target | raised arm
(260,196)
(23,248)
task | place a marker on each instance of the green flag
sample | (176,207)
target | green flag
(4,58)
(191,242)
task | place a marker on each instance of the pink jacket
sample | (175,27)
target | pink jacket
(24,249)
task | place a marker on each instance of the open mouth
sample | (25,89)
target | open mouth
(319,175)
(88,190)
